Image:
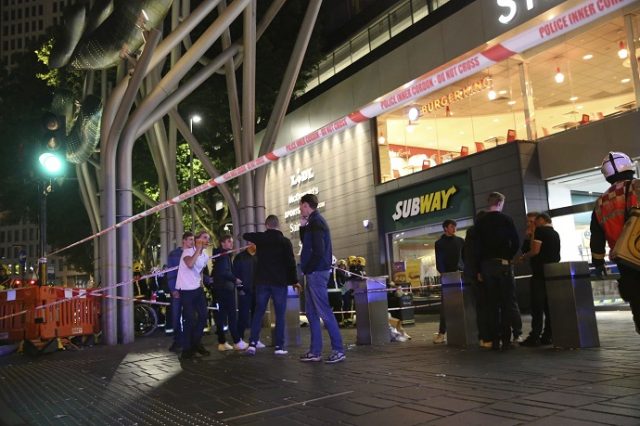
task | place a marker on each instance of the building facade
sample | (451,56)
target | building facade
(521,97)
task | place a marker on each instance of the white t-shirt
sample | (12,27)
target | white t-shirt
(189,278)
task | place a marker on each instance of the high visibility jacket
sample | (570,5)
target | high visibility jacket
(609,215)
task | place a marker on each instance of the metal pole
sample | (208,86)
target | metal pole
(43,236)
(192,200)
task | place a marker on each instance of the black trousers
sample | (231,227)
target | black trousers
(629,287)
(539,308)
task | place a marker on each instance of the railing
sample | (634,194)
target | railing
(401,17)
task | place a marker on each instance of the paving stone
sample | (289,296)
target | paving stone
(521,408)
(606,418)
(474,418)
(562,398)
(394,415)
(374,402)
(450,404)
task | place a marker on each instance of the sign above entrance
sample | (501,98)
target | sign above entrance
(510,8)
(427,204)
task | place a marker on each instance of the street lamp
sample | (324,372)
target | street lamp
(193,119)
(52,165)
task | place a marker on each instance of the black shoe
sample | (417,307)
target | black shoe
(175,347)
(495,345)
(202,350)
(187,354)
(506,345)
(530,342)
(546,340)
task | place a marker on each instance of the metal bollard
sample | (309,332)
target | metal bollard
(372,318)
(459,310)
(573,317)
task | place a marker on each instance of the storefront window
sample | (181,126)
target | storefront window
(569,83)
(413,258)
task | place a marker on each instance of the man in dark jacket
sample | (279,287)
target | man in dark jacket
(224,286)
(496,244)
(244,267)
(448,259)
(276,270)
(315,262)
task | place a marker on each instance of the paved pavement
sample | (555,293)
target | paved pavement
(410,383)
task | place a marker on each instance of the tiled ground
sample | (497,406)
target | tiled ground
(410,383)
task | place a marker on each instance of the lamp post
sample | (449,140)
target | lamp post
(193,119)
(52,165)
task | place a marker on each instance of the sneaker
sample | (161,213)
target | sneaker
(486,344)
(280,351)
(438,338)
(335,357)
(260,345)
(241,345)
(405,335)
(224,347)
(309,357)
(638,328)
(251,351)
(202,350)
(545,340)
(518,339)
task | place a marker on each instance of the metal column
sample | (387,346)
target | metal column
(372,318)
(459,310)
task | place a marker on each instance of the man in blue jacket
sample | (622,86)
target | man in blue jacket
(275,271)
(315,262)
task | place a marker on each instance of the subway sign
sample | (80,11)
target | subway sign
(428,203)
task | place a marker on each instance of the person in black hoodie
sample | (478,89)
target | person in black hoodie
(224,286)
(276,269)
(448,259)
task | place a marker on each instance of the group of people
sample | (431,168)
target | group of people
(488,254)
(486,258)
(264,269)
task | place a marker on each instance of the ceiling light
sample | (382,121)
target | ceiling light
(502,92)
(381,140)
(580,107)
(492,95)
(559,77)
(512,102)
(413,113)
(623,52)
(625,80)
(587,56)
(573,98)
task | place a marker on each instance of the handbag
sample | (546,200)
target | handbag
(627,248)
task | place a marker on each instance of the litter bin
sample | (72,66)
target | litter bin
(459,310)
(372,321)
(573,317)
(292,337)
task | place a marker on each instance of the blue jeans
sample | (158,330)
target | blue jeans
(279,295)
(226,314)
(194,313)
(317,306)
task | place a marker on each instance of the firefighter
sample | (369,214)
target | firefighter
(607,221)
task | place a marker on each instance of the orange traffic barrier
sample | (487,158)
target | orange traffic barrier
(17,312)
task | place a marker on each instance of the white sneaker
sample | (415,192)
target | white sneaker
(260,345)
(224,347)
(438,338)
(251,350)
(241,345)
(280,351)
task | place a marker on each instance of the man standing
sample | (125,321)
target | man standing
(448,259)
(496,243)
(244,267)
(607,221)
(175,309)
(189,285)
(224,286)
(544,248)
(275,271)
(315,262)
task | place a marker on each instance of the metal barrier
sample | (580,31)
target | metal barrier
(459,310)
(372,319)
(573,317)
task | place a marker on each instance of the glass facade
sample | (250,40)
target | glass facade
(555,87)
